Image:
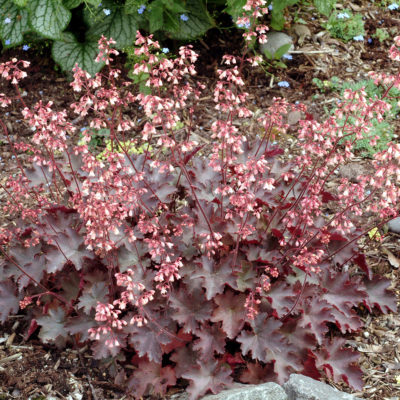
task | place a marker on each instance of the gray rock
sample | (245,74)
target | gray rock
(352,171)
(275,41)
(294,117)
(266,391)
(394,225)
(301,387)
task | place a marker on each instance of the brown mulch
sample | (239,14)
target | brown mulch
(29,369)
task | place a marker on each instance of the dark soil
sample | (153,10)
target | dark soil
(29,369)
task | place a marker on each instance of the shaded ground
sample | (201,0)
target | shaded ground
(29,369)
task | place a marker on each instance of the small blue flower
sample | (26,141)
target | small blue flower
(369,40)
(7,21)
(358,38)
(246,25)
(83,129)
(25,47)
(287,57)
(184,17)
(7,42)
(343,16)
(99,5)
(393,6)
(141,9)
(270,7)
(107,11)
(165,50)
(284,84)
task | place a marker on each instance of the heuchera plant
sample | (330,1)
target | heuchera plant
(208,264)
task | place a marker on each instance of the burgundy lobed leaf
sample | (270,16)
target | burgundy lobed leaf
(281,297)
(214,276)
(379,295)
(29,259)
(80,326)
(70,247)
(266,344)
(192,308)
(91,295)
(185,359)
(101,348)
(9,300)
(52,325)
(148,339)
(180,339)
(339,363)
(209,375)
(315,313)
(211,340)
(341,292)
(230,311)
(151,379)
(361,261)
(301,338)
(255,373)
(348,321)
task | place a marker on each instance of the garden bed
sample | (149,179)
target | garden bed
(31,369)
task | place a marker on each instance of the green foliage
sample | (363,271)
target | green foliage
(235,8)
(68,51)
(177,19)
(277,13)
(324,6)
(97,139)
(279,53)
(381,34)
(128,146)
(345,28)
(12,33)
(278,10)
(100,139)
(273,61)
(384,129)
(75,26)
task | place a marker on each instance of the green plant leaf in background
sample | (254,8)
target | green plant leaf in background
(277,13)
(156,16)
(70,4)
(198,23)
(324,6)
(282,50)
(20,3)
(95,3)
(13,31)
(118,25)
(235,8)
(132,6)
(68,51)
(175,6)
(48,17)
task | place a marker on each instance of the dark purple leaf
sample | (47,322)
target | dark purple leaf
(379,295)
(209,375)
(9,301)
